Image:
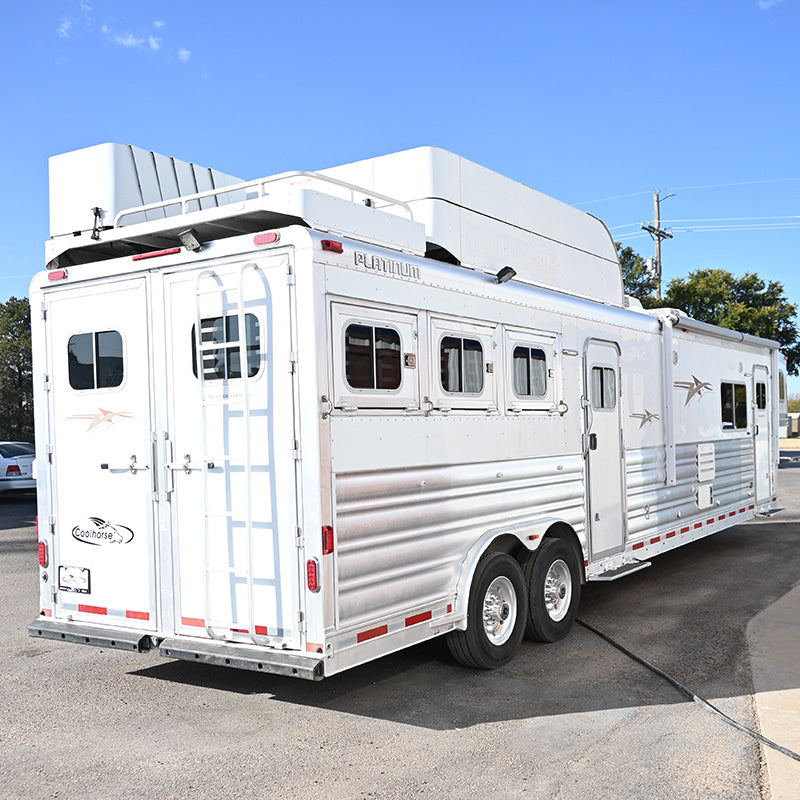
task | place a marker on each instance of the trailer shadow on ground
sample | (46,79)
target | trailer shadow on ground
(17,511)
(686,614)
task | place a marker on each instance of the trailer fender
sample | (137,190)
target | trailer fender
(507,539)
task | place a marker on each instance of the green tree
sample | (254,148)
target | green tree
(16,383)
(636,279)
(745,304)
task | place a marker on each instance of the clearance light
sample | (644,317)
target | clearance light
(332,246)
(327,539)
(169,252)
(312,574)
(57,275)
(266,238)
(43,562)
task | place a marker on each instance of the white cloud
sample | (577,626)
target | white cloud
(184,54)
(129,40)
(85,7)
(765,4)
(158,24)
(63,28)
(105,30)
(154,42)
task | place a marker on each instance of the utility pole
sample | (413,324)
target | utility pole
(658,233)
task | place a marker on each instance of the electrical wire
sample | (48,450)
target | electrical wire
(691,695)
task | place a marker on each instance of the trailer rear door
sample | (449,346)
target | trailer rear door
(231,452)
(102,470)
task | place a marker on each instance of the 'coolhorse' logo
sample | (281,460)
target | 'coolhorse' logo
(97,531)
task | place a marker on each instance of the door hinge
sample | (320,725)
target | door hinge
(301,621)
(299,539)
(296,450)
(290,277)
(47,383)
(292,363)
(54,591)
(49,452)
(51,524)
(44,311)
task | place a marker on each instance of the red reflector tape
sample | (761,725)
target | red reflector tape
(719,519)
(638,545)
(742,510)
(685,530)
(671,534)
(698,525)
(750,508)
(732,514)
(193,622)
(709,522)
(332,246)
(655,540)
(417,618)
(137,615)
(92,609)
(365,636)
(449,608)
(170,252)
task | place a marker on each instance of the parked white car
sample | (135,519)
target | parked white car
(16,467)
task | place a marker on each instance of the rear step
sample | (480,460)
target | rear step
(620,572)
(89,634)
(225,654)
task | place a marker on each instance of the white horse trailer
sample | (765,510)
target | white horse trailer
(297,424)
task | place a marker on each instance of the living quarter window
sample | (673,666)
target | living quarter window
(372,357)
(530,372)
(219,339)
(95,360)
(734,406)
(461,365)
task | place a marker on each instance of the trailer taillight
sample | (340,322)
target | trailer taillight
(57,275)
(332,246)
(14,470)
(170,251)
(327,539)
(312,574)
(43,561)
(266,238)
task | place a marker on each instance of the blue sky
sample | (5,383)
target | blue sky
(594,103)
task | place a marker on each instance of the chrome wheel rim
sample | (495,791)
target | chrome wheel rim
(557,590)
(499,610)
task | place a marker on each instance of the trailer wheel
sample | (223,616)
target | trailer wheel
(552,576)
(495,615)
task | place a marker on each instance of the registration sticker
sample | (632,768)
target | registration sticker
(74,579)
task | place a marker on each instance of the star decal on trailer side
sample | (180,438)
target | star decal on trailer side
(645,418)
(102,416)
(694,388)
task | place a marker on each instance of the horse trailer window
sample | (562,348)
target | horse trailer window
(461,365)
(224,362)
(530,372)
(604,388)
(372,357)
(734,406)
(95,360)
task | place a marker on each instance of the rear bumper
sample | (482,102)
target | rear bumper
(17,484)
(219,653)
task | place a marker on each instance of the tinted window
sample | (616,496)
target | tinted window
(761,395)
(11,449)
(530,372)
(372,357)
(461,363)
(219,343)
(95,360)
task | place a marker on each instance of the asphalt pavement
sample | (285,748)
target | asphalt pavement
(576,719)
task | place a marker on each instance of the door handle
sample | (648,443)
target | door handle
(593,441)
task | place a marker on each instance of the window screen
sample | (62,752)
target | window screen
(530,372)
(372,357)
(219,341)
(734,406)
(604,388)
(95,360)
(461,364)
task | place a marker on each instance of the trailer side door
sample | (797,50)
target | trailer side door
(762,432)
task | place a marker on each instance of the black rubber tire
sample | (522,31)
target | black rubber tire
(540,626)
(472,647)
